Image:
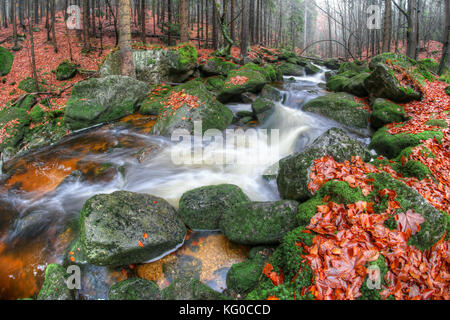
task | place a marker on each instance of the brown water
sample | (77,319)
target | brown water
(43,193)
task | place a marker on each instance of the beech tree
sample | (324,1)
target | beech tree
(126,52)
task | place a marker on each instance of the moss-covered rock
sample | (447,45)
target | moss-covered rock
(55,287)
(290,69)
(311,69)
(374,284)
(134,289)
(214,84)
(212,113)
(332,64)
(173,64)
(190,289)
(390,145)
(244,276)
(37,114)
(255,79)
(263,109)
(340,107)
(29,85)
(96,101)
(437,123)
(6,61)
(336,83)
(271,93)
(216,67)
(447,90)
(259,223)
(152,103)
(203,207)
(66,70)
(385,112)
(293,175)
(355,85)
(125,228)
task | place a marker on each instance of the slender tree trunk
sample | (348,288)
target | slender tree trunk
(13,21)
(87,44)
(126,52)
(184,28)
(244,28)
(412,29)
(445,61)
(232,17)
(33,59)
(143,20)
(387,26)
(54,27)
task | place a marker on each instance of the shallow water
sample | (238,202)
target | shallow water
(43,194)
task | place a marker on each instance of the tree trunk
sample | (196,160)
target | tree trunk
(445,61)
(126,52)
(244,28)
(143,20)
(87,44)
(412,29)
(232,17)
(13,21)
(33,59)
(387,26)
(184,28)
(54,27)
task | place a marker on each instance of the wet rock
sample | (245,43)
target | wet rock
(216,66)
(340,107)
(243,277)
(290,69)
(134,289)
(293,176)
(311,69)
(263,109)
(248,97)
(203,207)
(55,287)
(259,223)
(190,289)
(156,66)
(271,93)
(332,64)
(96,101)
(125,228)
(212,113)
(6,61)
(385,112)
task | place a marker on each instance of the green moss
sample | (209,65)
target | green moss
(214,84)
(447,90)
(154,101)
(336,83)
(29,85)
(66,70)
(245,276)
(6,60)
(371,288)
(55,287)
(446,77)
(188,55)
(437,123)
(190,289)
(37,114)
(430,64)
(134,289)
(391,145)
(385,112)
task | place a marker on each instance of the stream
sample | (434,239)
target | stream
(43,193)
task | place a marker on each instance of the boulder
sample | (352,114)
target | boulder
(385,112)
(263,109)
(311,68)
(66,70)
(55,287)
(156,66)
(356,86)
(194,103)
(6,61)
(271,93)
(190,289)
(125,228)
(294,172)
(203,207)
(96,101)
(259,223)
(216,67)
(243,277)
(340,107)
(29,85)
(134,289)
(290,69)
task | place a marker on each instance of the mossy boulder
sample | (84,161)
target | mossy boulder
(37,114)
(152,103)
(332,64)
(205,108)
(29,85)
(351,68)
(290,69)
(385,112)
(263,109)
(336,83)
(390,145)
(214,84)
(6,61)
(66,70)
(447,90)
(377,283)
(293,175)
(340,107)
(271,93)
(125,228)
(203,207)
(253,78)
(216,67)
(55,287)
(356,86)
(173,64)
(259,223)
(134,289)
(96,101)
(184,288)
(311,69)
(14,121)
(243,277)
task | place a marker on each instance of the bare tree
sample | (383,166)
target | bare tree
(445,55)
(126,52)
(387,26)
(184,29)
(87,44)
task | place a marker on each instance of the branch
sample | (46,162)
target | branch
(399,8)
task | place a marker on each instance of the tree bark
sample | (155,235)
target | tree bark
(126,52)
(244,28)
(184,28)
(54,27)
(445,61)
(387,26)
(33,60)
(143,19)
(412,29)
(87,44)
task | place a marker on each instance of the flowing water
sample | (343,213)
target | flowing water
(43,193)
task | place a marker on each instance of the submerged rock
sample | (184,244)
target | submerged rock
(156,66)
(126,228)
(203,207)
(340,107)
(190,289)
(293,176)
(259,223)
(96,101)
(55,287)
(134,289)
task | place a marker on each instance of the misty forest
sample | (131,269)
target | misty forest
(224,149)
